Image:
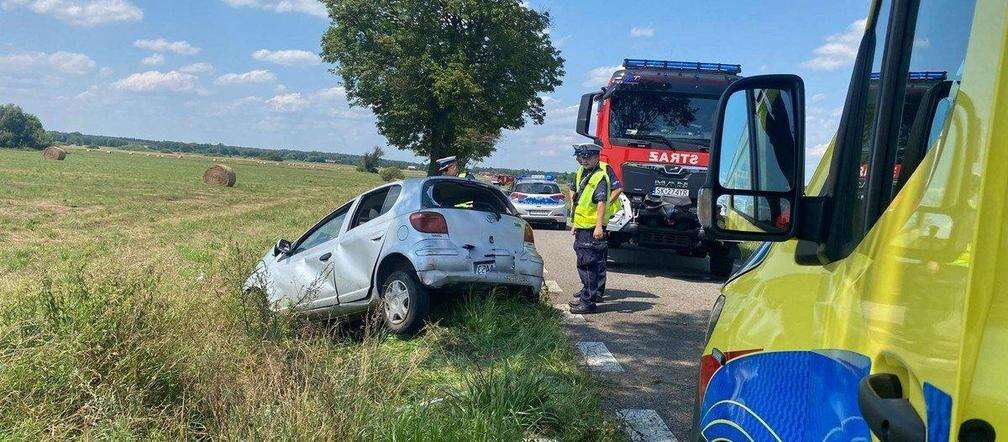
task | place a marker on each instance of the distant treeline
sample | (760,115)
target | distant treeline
(220,149)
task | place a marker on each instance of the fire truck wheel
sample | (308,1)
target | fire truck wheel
(721,266)
(722,260)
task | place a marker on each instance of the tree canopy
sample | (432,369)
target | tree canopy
(21,130)
(444,77)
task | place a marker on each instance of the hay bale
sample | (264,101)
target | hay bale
(54,153)
(220,175)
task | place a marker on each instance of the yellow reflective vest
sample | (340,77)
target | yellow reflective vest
(583,213)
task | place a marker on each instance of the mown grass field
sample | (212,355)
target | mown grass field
(122,317)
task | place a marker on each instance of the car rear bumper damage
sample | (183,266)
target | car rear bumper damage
(443,265)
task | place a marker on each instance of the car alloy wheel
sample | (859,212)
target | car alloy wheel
(397,301)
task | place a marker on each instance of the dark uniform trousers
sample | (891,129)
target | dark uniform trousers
(591,264)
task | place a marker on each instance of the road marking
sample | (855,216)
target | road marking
(571,317)
(645,425)
(598,357)
(553,286)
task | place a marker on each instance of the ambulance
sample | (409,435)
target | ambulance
(875,305)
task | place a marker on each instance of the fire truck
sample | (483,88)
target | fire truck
(654,124)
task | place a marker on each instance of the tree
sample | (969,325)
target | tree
(369,161)
(21,130)
(271,155)
(391,173)
(443,77)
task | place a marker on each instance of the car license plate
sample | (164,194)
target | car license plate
(669,191)
(482,268)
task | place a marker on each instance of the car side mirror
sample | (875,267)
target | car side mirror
(585,113)
(755,181)
(282,247)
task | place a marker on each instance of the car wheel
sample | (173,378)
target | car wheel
(405,302)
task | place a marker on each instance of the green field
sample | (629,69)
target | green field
(121,317)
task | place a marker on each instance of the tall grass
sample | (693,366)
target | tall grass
(100,350)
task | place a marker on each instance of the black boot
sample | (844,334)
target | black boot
(582,307)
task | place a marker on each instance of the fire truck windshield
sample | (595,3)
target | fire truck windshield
(669,119)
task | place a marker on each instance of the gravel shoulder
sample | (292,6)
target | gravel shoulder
(652,322)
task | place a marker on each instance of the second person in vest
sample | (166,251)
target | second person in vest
(594,199)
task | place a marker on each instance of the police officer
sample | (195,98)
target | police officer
(594,200)
(448,166)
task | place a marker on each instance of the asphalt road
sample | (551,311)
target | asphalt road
(652,322)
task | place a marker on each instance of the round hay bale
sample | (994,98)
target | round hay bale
(54,153)
(220,175)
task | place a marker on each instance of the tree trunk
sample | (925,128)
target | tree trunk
(432,165)
(441,139)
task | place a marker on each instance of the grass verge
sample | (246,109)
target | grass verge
(121,317)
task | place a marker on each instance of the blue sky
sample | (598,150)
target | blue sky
(245,72)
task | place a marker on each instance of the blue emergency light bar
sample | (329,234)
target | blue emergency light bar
(921,75)
(731,69)
(549,177)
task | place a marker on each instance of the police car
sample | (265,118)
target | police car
(538,198)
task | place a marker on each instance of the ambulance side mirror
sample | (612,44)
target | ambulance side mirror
(756,177)
(585,114)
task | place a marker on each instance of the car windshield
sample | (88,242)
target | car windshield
(464,195)
(662,117)
(537,188)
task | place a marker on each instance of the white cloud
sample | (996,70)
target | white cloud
(153,60)
(81,12)
(43,63)
(638,31)
(197,68)
(336,92)
(839,51)
(286,103)
(161,45)
(818,97)
(600,76)
(563,115)
(311,7)
(256,76)
(149,81)
(287,57)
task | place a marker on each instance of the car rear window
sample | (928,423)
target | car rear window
(464,195)
(537,188)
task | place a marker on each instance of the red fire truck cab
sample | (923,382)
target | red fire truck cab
(654,125)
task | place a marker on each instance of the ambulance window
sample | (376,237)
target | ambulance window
(939,46)
(864,122)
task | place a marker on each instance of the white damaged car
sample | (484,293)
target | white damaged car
(392,244)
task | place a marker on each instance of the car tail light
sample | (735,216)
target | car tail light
(529,236)
(429,222)
(557,197)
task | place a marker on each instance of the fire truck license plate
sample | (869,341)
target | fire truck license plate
(668,191)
